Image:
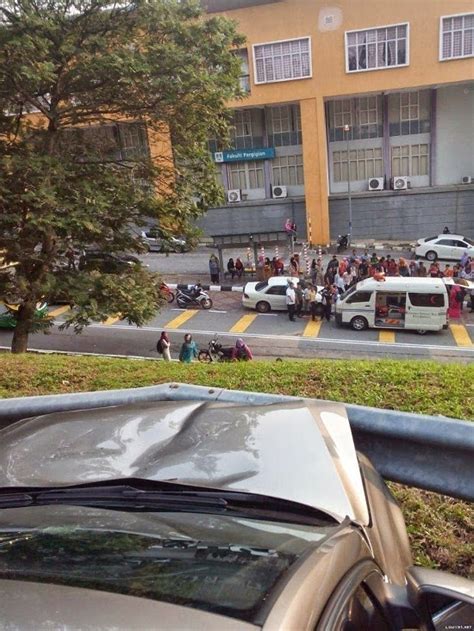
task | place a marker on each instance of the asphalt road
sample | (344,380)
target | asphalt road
(269,335)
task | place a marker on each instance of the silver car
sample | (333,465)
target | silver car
(192,515)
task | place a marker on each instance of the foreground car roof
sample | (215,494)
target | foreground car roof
(298,451)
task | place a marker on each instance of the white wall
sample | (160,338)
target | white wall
(455,133)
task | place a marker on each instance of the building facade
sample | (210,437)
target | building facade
(367,104)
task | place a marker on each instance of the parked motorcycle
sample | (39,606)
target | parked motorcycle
(215,352)
(195,297)
(342,242)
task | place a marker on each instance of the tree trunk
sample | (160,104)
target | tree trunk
(25,316)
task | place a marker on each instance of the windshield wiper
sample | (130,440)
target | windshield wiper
(131,494)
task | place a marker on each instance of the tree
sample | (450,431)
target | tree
(82,85)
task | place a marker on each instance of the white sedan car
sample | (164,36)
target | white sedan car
(270,295)
(444,246)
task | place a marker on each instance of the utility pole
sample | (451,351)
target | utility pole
(347,130)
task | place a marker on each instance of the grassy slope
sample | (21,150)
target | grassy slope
(440,528)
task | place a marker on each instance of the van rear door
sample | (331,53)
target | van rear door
(426,310)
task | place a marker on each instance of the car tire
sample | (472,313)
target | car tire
(431,255)
(421,331)
(359,323)
(262,306)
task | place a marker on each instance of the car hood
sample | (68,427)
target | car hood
(299,451)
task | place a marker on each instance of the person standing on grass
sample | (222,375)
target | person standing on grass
(291,301)
(188,350)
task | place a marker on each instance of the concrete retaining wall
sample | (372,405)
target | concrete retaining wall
(405,215)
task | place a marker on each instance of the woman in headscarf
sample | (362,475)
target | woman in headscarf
(241,350)
(163,346)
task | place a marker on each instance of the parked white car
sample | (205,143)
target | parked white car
(269,295)
(444,246)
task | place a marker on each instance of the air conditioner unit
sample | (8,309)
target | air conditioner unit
(234,195)
(376,184)
(400,183)
(467,179)
(279,191)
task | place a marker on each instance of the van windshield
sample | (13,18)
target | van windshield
(347,293)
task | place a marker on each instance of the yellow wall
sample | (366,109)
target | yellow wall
(298,18)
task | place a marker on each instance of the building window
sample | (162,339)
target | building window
(457,34)
(284,125)
(375,48)
(288,171)
(243,56)
(363,115)
(409,106)
(242,124)
(368,117)
(411,160)
(365,164)
(133,140)
(246,175)
(409,113)
(282,61)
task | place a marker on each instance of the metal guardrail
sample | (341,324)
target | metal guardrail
(428,452)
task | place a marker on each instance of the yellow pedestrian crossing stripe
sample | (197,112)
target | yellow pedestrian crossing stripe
(243,324)
(387,337)
(181,319)
(59,311)
(312,328)
(460,335)
(112,319)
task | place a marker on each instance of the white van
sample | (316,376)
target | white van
(420,304)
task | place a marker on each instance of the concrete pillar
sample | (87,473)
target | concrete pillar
(315,170)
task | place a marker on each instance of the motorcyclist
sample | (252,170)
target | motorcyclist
(241,350)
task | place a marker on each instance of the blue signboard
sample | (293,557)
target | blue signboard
(240,155)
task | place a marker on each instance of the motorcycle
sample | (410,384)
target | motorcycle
(215,352)
(193,297)
(342,242)
(166,293)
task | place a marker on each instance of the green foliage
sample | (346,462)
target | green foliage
(78,64)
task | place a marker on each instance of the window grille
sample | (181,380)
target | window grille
(457,35)
(375,48)
(282,61)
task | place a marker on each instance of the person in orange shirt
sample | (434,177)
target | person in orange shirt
(448,272)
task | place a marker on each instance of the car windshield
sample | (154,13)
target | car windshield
(469,241)
(261,285)
(217,564)
(431,238)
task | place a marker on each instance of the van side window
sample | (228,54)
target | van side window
(359,296)
(427,300)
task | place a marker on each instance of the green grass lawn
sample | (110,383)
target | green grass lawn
(440,528)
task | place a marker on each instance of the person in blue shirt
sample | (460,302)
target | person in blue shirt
(188,350)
